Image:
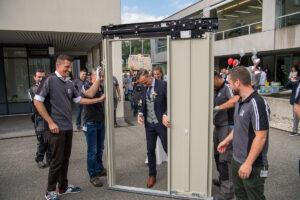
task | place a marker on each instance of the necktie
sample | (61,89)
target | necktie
(149,92)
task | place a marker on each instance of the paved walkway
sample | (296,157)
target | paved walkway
(21,179)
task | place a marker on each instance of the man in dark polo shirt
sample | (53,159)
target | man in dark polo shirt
(53,101)
(94,128)
(224,102)
(43,146)
(78,83)
(250,138)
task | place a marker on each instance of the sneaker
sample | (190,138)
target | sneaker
(41,164)
(293,133)
(51,195)
(216,182)
(103,172)
(96,182)
(69,189)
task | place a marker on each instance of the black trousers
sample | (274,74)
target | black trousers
(43,147)
(151,135)
(61,145)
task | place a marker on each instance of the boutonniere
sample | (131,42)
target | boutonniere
(154,94)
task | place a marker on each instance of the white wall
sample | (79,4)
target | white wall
(288,37)
(59,15)
(263,41)
(281,113)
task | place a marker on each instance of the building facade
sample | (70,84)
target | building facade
(33,32)
(272,27)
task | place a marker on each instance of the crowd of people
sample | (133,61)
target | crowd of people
(240,136)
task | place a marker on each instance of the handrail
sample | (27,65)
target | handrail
(295,13)
(239,27)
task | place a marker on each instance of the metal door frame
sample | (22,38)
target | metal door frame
(107,60)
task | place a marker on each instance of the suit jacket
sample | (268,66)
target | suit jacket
(160,102)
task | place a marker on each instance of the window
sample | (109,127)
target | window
(289,13)
(238,18)
(17,82)
(161,45)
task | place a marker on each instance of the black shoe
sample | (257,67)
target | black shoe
(293,134)
(216,182)
(41,164)
(79,128)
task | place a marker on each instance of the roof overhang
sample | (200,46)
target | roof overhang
(72,42)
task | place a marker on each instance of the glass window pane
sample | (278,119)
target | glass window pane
(38,63)
(17,84)
(239,13)
(15,52)
(289,6)
(161,45)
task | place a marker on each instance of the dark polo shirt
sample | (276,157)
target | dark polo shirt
(250,115)
(221,95)
(93,112)
(57,94)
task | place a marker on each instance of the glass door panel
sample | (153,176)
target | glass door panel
(38,63)
(283,63)
(17,83)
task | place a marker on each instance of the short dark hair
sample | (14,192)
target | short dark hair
(63,57)
(39,70)
(242,74)
(83,70)
(216,73)
(142,72)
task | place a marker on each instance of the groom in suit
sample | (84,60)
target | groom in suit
(153,114)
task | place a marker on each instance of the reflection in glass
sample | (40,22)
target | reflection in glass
(17,83)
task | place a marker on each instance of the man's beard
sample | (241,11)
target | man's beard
(236,91)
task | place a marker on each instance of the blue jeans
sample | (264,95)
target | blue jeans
(78,114)
(95,136)
(130,98)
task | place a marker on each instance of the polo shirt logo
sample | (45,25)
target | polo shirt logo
(219,94)
(69,91)
(242,113)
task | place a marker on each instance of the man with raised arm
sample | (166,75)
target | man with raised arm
(53,101)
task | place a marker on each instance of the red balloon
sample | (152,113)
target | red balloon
(230,60)
(235,62)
